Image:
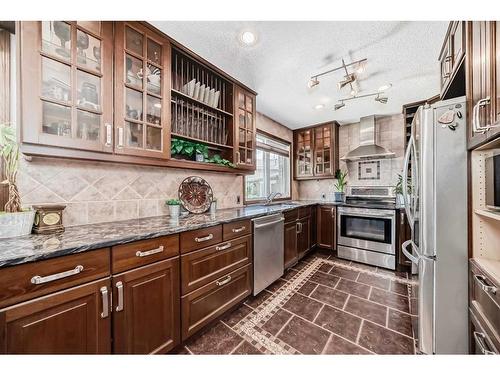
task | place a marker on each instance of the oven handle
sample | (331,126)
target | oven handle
(373,216)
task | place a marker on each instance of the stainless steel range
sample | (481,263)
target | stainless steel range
(366,226)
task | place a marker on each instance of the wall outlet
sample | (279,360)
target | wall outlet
(323,196)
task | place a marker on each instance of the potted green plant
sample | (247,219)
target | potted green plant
(14,221)
(398,190)
(174,207)
(340,185)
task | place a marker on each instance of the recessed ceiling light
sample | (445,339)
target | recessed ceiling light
(248,38)
(385,87)
(319,106)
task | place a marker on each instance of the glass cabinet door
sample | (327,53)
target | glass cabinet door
(304,160)
(245,129)
(323,151)
(69,96)
(140,105)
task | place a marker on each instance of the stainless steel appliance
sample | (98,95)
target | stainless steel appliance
(436,207)
(268,251)
(366,227)
(492,177)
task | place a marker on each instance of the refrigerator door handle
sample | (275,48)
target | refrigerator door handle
(405,181)
(407,253)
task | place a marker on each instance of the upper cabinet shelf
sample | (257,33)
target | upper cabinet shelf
(119,91)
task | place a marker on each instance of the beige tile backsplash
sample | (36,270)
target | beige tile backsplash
(98,192)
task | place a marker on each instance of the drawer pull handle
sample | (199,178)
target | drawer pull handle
(480,339)
(223,282)
(238,230)
(223,247)
(203,239)
(119,287)
(487,288)
(45,279)
(149,252)
(105,303)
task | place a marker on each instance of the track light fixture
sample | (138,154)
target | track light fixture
(339,105)
(349,78)
(313,82)
(381,99)
(378,98)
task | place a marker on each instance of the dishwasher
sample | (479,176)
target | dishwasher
(268,251)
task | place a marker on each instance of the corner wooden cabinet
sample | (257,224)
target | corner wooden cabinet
(297,234)
(316,151)
(73,321)
(451,57)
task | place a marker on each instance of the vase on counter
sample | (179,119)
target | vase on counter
(213,206)
(15,224)
(339,196)
(174,210)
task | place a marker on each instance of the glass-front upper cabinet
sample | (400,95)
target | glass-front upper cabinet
(245,129)
(316,151)
(66,84)
(303,153)
(142,94)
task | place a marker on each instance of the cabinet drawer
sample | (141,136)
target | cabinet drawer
(485,299)
(200,238)
(304,212)
(481,339)
(139,253)
(26,281)
(203,266)
(291,215)
(207,303)
(236,229)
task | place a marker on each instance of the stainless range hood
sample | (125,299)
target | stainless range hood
(367,149)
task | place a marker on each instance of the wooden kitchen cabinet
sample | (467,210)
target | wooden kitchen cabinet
(403,234)
(451,59)
(146,309)
(245,129)
(67,84)
(316,151)
(290,247)
(142,91)
(73,321)
(326,237)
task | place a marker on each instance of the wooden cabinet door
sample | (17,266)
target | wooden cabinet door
(404,234)
(66,86)
(146,309)
(303,236)
(326,227)
(244,145)
(142,91)
(445,64)
(457,43)
(290,238)
(478,76)
(312,229)
(74,321)
(304,153)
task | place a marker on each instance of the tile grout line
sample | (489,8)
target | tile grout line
(359,332)
(237,346)
(345,303)
(327,343)
(319,312)
(283,327)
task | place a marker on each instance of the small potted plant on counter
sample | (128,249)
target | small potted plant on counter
(340,185)
(174,207)
(14,221)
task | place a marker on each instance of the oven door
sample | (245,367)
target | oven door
(368,229)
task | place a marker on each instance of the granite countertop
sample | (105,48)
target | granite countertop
(82,238)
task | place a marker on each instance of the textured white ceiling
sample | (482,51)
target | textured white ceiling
(278,67)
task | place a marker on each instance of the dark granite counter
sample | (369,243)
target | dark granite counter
(82,238)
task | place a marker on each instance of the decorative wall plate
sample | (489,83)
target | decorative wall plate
(195,194)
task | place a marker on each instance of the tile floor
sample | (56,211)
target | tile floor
(323,305)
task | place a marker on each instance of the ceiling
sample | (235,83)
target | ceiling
(287,54)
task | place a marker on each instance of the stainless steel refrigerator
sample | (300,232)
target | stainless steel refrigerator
(435,166)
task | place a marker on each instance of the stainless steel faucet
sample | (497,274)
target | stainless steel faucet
(272,197)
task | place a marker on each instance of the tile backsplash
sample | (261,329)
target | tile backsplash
(97,192)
